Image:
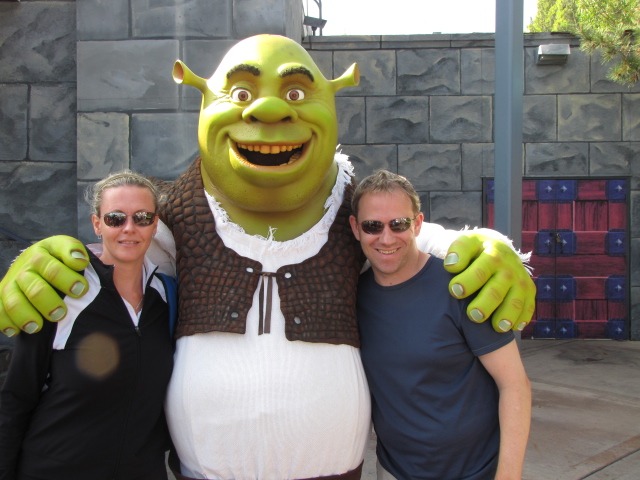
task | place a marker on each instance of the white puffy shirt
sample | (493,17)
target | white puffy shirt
(260,406)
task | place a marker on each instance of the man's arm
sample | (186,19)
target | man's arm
(507,370)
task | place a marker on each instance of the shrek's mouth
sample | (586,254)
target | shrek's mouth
(270,155)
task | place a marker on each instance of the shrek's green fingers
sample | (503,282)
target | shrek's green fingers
(42,296)
(479,273)
(516,310)
(25,289)
(16,313)
(56,273)
(7,327)
(488,299)
(461,252)
(69,251)
(505,289)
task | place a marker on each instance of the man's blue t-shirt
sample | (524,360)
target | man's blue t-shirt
(434,406)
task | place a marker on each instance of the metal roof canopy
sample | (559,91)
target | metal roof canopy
(509,88)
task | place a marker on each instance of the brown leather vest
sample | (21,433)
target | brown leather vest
(216,285)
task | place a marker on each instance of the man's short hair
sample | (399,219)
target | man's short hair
(384,181)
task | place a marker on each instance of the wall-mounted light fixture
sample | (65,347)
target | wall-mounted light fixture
(552,54)
(314,23)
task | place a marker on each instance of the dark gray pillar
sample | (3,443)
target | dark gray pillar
(508,118)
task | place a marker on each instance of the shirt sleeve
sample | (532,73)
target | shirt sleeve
(162,250)
(481,337)
(21,392)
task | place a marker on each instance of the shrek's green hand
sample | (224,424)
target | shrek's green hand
(27,293)
(495,270)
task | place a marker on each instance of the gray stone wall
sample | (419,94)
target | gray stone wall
(37,123)
(424,108)
(86,88)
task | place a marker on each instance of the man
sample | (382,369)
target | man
(440,385)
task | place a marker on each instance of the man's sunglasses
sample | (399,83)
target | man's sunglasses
(397,225)
(118,219)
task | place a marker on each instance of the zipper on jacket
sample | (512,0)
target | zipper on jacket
(127,420)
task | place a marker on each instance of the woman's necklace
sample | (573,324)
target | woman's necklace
(139,306)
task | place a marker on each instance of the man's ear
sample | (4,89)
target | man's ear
(354,227)
(417,223)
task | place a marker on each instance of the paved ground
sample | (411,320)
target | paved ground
(586,411)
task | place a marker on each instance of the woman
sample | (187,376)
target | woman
(83,398)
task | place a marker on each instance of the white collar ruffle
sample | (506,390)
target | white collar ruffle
(268,250)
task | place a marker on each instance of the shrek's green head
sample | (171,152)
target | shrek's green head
(268,128)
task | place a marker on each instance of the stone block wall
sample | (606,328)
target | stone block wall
(86,89)
(424,108)
(37,123)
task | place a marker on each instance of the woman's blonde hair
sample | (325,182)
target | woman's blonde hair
(94,194)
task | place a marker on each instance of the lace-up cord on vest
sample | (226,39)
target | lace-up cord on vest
(264,325)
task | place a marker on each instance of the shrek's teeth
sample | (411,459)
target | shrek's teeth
(269,149)
(294,157)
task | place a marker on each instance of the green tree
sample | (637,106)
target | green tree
(610,27)
(553,16)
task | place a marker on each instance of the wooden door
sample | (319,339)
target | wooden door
(577,232)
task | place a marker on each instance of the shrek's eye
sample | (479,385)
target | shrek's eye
(241,95)
(295,95)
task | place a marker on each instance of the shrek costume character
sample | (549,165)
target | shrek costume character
(268,381)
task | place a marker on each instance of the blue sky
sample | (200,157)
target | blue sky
(406,17)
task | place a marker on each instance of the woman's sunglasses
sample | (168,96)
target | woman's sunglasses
(118,219)
(397,225)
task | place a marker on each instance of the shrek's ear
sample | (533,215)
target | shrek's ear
(350,78)
(182,74)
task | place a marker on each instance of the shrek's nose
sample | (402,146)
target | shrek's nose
(269,110)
